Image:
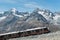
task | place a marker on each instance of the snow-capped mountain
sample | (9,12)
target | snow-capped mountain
(51,17)
(57,18)
(14,11)
(47,14)
(15,20)
(36,16)
(39,14)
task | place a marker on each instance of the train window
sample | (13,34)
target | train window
(29,32)
(9,35)
(32,31)
(26,32)
(45,28)
(13,35)
(40,30)
(37,30)
(20,33)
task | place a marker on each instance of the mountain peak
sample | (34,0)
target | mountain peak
(13,10)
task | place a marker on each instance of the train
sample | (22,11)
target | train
(24,33)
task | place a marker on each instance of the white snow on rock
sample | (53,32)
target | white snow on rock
(1,12)
(57,19)
(14,12)
(2,18)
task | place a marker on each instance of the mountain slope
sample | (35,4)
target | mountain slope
(16,21)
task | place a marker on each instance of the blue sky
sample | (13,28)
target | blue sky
(29,5)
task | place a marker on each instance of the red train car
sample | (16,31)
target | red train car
(23,33)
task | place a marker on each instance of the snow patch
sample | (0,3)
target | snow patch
(13,10)
(56,19)
(2,18)
(1,12)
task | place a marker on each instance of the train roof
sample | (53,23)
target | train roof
(33,29)
(22,31)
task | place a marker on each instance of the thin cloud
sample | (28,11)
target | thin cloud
(8,1)
(32,5)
